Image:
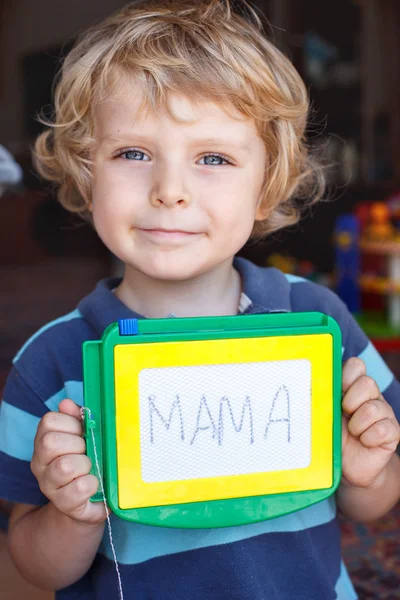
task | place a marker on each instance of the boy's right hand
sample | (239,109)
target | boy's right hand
(61,466)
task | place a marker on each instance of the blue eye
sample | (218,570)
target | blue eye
(214,160)
(134,155)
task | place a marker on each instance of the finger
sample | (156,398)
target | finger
(74,495)
(68,407)
(362,390)
(62,423)
(367,414)
(65,469)
(92,513)
(353,369)
(54,444)
(384,434)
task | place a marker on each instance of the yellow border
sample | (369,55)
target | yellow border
(130,359)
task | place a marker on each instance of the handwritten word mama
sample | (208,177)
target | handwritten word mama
(215,424)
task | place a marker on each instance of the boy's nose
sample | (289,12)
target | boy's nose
(169,198)
(169,190)
(168,201)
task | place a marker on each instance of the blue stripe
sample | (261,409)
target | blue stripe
(294,278)
(22,396)
(299,566)
(71,389)
(354,338)
(18,428)
(17,482)
(3,521)
(392,396)
(17,431)
(75,314)
(138,543)
(376,367)
(344,588)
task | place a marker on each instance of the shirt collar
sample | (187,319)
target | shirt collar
(267,288)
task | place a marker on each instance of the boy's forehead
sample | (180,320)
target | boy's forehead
(126,104)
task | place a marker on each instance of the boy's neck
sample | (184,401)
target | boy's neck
(214,293)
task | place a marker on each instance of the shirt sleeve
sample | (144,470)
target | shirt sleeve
(309,296)
(20,412)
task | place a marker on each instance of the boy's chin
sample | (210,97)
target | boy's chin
(173,272)
(174,275)
(168,273)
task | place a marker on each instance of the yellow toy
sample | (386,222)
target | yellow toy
(215,421)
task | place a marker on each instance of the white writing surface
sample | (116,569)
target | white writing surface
(216,420)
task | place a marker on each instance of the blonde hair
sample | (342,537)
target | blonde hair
(203,49)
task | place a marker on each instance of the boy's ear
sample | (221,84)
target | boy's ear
(261,214)
(83,196)
(262,211)
(87,198)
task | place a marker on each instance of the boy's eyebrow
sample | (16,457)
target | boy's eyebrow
(209,141)
(109,137)
(241,145)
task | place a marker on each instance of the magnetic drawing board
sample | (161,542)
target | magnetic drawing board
(215,421)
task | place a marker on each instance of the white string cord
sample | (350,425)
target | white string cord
(100,478)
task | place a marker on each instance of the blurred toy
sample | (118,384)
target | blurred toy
(347,235)
(367,247)
(380,227)
(318,55)
(284,263)
(10,171)
(288,264)
(393,203)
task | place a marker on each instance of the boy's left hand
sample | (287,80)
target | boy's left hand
(370,431)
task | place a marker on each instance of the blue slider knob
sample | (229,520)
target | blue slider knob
(128,326)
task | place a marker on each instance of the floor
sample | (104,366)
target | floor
(38,293)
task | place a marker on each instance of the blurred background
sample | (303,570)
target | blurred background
(348,53)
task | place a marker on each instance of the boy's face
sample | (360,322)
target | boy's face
(174,197)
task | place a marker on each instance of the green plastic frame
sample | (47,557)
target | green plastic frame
(98,361)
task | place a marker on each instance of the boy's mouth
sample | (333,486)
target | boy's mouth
(167,234)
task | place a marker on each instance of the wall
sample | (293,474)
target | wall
(33,25)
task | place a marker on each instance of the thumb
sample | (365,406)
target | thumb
(68,407)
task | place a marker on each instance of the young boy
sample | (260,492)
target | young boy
(179,131)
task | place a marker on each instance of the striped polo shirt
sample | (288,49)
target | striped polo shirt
(296,556)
